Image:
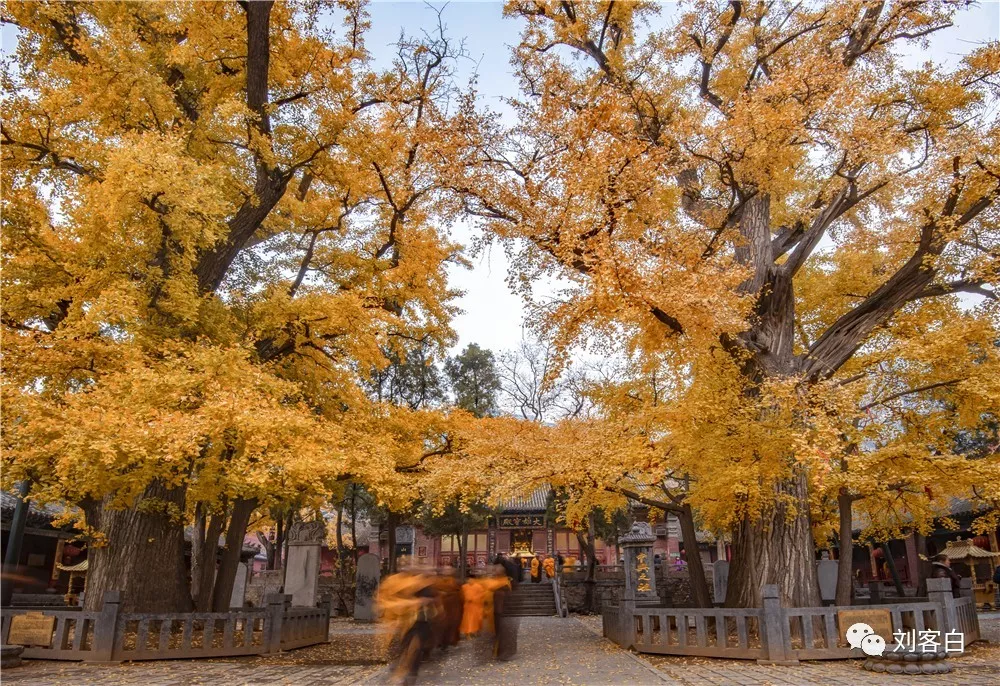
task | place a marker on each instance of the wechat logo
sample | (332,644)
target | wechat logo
(863,636)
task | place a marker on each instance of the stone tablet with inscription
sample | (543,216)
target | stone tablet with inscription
(720,580)
(366,588)
(31,629)
(879,620)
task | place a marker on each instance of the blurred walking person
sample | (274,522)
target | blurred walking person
(449,621)
(473,599)
(408,606)
(505,645)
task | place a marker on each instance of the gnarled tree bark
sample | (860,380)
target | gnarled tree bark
(776,549)
(143,552)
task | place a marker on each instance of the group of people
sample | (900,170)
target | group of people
(538,565)
(423,609)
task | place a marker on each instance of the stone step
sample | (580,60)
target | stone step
(530,606)
(539,603)
(531,613)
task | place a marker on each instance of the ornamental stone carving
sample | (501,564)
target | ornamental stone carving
(307,533)
(641,534)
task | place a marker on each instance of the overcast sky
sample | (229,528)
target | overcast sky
(493,315)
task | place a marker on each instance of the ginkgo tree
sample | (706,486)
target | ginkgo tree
(217,217)
(684,180)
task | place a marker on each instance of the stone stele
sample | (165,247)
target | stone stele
(366,588)
(302,566)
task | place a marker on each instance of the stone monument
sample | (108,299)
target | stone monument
(720,581)
(826,570)
(366,588)
(640,577)
(302,566)
(239,596)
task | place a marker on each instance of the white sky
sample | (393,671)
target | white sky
(493,315)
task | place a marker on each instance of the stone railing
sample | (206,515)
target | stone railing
(110,635)
(774,633)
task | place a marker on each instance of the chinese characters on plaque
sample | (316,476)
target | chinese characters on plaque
(520,521)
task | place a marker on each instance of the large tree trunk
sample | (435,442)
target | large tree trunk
(197,551)
(845,580)
(279,541)
(391,526)
(587,544)
(778,549)
(890,562)
(341,557)
(463,546)
(268,547)
(143,554)
(923,564)
(354,522)
(283,537)
(229,564)
(696,571)
(203,558)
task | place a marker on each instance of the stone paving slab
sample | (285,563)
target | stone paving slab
(550,650)
(183,672)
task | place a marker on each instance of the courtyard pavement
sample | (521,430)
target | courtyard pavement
(550,651)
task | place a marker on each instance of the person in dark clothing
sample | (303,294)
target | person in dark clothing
(505,645)
(418,642)
(513,571)
(450,618)
(941,569)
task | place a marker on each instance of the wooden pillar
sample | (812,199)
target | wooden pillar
(54,578)
(550,538)
(491,539)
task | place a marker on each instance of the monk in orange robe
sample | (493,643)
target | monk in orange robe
(473,597)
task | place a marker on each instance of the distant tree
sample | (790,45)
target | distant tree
(456,519)
(609,526)
(411,379)
(474,380)
(535,385)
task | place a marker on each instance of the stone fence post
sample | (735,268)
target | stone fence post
(965,587)
(327,605)
(939,591)
(106,627)
(276,603)
(774,627)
